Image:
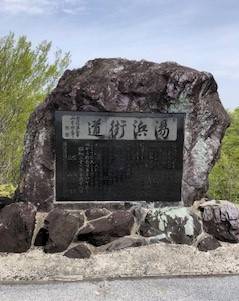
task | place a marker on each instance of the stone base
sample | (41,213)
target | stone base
(104,229)
(82,232)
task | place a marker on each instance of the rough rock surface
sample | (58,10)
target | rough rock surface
(107,228)
(123,243)
(80,251)
(17,222)
(158,238)
(208,243)
(120,85)
(179,225)
(41,237)
(221,220)
(94,213)
(4,201)
(59,230)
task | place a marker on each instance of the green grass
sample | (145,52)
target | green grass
(7,190)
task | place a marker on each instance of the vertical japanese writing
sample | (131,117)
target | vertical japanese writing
(87,167)
(77,123)
(66,129)
(72,126)
(81,168)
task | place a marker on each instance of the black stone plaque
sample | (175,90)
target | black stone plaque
(119,156)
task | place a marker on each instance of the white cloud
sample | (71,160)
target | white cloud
(38,7)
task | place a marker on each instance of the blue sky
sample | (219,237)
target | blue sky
(201,34)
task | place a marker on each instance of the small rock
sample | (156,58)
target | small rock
(17,222)
(221,220)
(208,243)
(123,243)
(59,230)
(103,230)
(95,213)
(179,225)
(82,250)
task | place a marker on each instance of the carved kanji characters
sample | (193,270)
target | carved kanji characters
(117,129)
(94,127)
(161,130)
(140,129)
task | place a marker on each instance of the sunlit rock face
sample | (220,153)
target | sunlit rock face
(119,85)
(179,225)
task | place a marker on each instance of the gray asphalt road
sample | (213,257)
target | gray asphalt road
(146,289)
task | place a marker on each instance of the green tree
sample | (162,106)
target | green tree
(224,178)
(26,77)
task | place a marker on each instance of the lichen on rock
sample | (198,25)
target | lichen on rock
(179,225)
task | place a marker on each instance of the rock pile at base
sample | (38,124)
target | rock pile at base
(79,234)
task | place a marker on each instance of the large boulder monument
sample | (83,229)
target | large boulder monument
(120,85)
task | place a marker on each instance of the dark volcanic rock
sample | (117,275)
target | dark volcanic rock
(120,85)
(123,243)
(82,250)
(42,237)
(4,201)
(208,243)
(103,230)
(179,225)
(97,239)
(59,230)
(94,213)
(119,223)
(17,222)
(147,229)
(221,221)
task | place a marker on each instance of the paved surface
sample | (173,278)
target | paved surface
(146,289)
